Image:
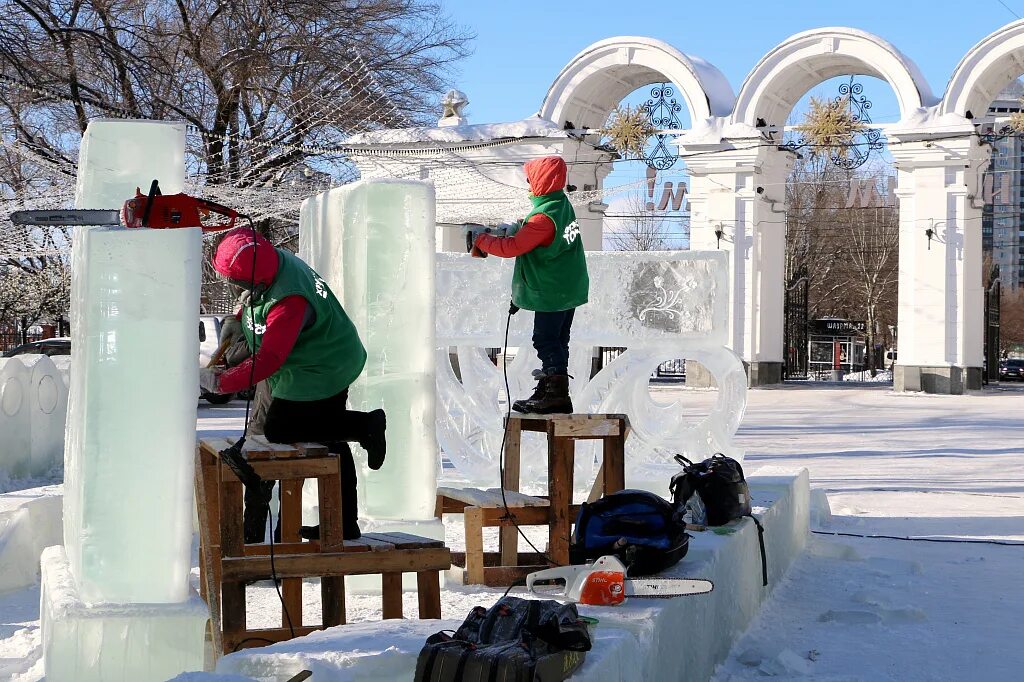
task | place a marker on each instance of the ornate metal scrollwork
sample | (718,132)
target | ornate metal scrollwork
(663,111)
(865,140)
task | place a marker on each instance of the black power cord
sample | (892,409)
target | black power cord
(952,541)
(233,456)
(512,310)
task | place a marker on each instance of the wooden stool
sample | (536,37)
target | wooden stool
(227,563)
(485,508)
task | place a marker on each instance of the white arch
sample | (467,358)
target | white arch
(597,79)
(802,61)
(987,68)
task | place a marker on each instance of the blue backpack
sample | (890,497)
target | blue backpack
(646,532)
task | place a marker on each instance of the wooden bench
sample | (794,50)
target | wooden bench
(485,508)
(227,563)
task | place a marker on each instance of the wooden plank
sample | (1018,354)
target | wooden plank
(338,563)
(597,490)
(209,554)
(474,545)
(428,591)
(391,595)
(284,469)
(560,484)
(332,598)
(232,612)
(312,449)
(406,540)
(613,469)
(291,510)
(376,543)
(329,491)
(524,516)
(212,446)
(231,531)
(250,639)
(513,456)
(491,497)
(291,595)
(587,428)
(503,576)
(280,548)
(508,536)
(291,519)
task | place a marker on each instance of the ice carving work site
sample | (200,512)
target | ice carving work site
(695,372)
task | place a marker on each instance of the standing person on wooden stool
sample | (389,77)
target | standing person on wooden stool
(309,352)
(550,278)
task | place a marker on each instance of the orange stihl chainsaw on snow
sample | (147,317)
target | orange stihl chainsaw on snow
(153,210)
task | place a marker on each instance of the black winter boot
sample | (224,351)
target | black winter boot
(554,400)
(375,443)
(521,405)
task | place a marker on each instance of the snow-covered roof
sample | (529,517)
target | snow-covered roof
(534,126)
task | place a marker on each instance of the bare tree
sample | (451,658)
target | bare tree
(848,251)
(262,82)
(1011,320)
(638,228)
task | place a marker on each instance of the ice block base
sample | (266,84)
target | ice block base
(112,642)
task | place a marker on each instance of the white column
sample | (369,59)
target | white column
(739,192)
(940,336)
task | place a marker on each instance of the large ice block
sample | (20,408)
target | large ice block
(15,418)
(100,643)
(116,156)
(660,305)
(132,412)
(373,242)
(48,407)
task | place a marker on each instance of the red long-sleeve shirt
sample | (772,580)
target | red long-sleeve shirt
(539,230)
(284,322)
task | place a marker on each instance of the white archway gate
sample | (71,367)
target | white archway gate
(738,179)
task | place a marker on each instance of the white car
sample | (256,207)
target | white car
(209,342)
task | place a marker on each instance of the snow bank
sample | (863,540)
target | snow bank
(30,520)
(670,639)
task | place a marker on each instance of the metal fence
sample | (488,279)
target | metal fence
(13,339)
(673,369)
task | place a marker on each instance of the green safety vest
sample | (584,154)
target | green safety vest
(554,277)
(328,356)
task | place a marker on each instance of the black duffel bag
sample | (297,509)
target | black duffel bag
(518,640)
(646,532)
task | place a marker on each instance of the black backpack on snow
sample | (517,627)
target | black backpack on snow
(722,489)
(518,640)
(644,531)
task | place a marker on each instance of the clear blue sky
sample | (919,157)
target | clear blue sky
(521,46)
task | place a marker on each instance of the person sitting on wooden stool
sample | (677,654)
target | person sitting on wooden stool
(306,347)
(550,278)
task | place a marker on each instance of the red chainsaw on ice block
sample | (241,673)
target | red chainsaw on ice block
(153,210)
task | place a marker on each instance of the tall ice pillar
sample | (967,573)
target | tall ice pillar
(116,603)
(373,242)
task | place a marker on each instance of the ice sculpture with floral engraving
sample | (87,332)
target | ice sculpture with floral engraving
(659,305)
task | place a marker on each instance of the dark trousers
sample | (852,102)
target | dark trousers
(551,339)
(327,421)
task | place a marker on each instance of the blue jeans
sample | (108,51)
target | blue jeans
(551,339)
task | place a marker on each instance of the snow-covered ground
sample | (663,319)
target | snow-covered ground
(850,608)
